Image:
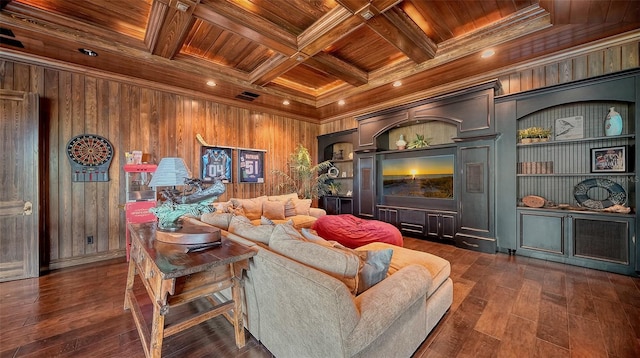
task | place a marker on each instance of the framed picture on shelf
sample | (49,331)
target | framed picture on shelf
(215,162)
(251,166)
(569,128)
(609,159)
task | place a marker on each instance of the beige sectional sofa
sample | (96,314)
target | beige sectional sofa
(301,297)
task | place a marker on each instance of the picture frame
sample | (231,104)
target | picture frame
(610,159)
(569,128)
(251,166)
(216,162)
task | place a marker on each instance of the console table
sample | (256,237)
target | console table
(173,277)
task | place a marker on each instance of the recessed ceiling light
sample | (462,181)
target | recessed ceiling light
(341,102)
(397,84)
(88,52)
(286,102)
(211,83)
(488,53)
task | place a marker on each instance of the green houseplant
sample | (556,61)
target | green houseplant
(307,180)
(333,187)
(419,142)
(534,134)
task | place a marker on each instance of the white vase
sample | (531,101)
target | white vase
(401,143)
(613,123)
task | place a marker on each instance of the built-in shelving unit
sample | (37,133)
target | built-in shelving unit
(338,149)
(569,228)
(570,160)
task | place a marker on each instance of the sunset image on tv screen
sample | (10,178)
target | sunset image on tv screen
(427,177)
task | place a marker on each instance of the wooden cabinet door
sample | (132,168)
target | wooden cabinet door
(19,176)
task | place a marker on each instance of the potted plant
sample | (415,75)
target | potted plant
(533,135)
(333,187)
(307,180)
(419,142)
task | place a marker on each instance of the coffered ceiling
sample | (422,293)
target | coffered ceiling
(308,53)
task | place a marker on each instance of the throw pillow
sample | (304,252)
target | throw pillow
(235,207)
(242,226)
(375,264)
(375,268)
(266,221)
(302,206)
(310,235)
(273,210)
(219,220)
(289,208)
(343,265)
(252,207)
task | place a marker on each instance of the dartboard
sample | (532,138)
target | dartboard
(90,156)
(89,150)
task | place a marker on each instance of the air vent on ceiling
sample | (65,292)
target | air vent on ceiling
(11,42)
(247,96)
(6,32)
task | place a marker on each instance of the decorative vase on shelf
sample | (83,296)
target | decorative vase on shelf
(401,143)
(613,123)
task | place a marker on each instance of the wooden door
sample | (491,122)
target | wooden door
(19,232)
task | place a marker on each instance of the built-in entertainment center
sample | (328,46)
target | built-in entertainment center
(419,187)
(473,184)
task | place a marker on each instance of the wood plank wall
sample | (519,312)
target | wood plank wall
(133,117)
(539,74)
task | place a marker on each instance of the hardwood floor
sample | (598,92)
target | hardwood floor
(504,306)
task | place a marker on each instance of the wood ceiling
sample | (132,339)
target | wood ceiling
(311,53)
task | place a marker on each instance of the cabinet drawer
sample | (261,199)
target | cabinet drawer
(475,243)
(412,228)
(415,217)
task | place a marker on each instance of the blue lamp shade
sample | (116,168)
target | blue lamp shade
(170,172)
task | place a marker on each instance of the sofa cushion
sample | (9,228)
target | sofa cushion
(273,210)
(375,263)
(340,264)
(439,268)
(217,219)
(243,227)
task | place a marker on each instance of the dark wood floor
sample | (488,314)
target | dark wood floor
(504,306)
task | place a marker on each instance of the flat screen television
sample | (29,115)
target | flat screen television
(424,179)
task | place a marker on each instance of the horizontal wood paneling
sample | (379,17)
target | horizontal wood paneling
(133,117)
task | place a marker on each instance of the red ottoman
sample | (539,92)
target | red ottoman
(354,232)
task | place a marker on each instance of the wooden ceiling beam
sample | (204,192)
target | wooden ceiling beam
(334,25)
(248,25)
(169,24)
(519,24)
(396,27)
(327,29)
(338,68)
(275,69)
(382,6)
(354,6)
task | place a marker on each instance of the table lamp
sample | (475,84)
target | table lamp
(172,172)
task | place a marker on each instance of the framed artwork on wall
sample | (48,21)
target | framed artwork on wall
(609,159)
(251,165)
(569,128)
(215,162)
